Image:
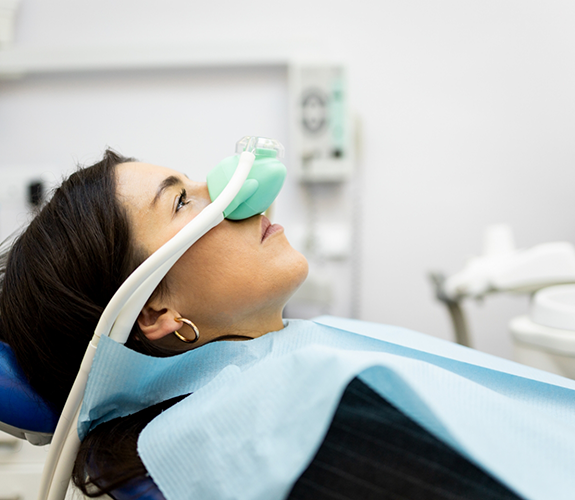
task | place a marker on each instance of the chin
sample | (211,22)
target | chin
(300,271)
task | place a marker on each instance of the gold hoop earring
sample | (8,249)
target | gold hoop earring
(192,326)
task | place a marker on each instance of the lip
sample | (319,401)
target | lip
(268,228)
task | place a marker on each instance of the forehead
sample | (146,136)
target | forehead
(144,174)
(137,183)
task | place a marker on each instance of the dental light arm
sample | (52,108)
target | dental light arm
(122,311)
(503,268)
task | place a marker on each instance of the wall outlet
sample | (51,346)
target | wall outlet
(22,190)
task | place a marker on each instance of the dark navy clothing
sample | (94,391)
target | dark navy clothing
(373,451)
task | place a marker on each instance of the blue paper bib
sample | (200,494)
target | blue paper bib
(259,409)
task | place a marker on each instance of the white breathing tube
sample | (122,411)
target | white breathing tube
(118,319)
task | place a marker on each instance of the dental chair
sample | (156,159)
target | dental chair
(24,415)
(545,338)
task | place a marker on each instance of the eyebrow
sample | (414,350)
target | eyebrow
(168,182)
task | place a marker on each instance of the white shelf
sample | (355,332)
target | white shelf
(20,61)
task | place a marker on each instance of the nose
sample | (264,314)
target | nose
(202,194)
(205,193)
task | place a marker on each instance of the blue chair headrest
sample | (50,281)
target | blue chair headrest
(23,413)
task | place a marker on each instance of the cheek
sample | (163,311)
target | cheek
(228,271)
(214,269)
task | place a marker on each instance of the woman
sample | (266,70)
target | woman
(231,285)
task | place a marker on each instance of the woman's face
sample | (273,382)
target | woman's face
(233,281)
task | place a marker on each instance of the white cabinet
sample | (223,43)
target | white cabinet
(20,468)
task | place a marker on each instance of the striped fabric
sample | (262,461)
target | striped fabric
(373,451)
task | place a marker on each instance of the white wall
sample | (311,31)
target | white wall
(467,113)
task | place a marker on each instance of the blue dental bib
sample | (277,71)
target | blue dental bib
(259,409)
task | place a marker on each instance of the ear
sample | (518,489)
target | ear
(156,324)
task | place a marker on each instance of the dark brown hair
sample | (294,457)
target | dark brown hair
(108,459)
(59,275)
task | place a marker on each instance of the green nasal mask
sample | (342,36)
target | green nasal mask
(262,185)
